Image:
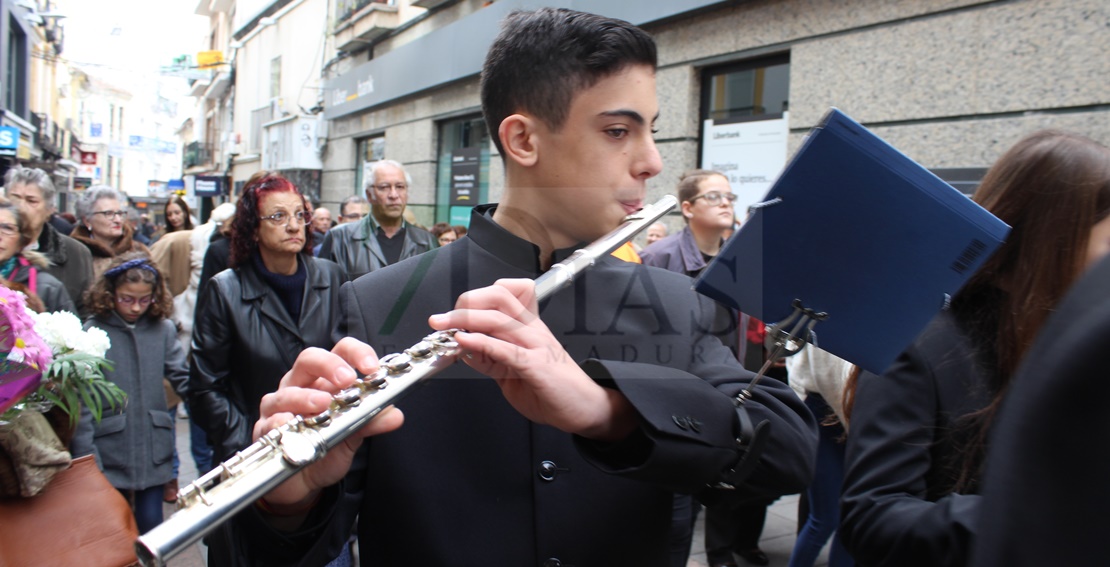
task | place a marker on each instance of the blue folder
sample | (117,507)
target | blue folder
(861,232)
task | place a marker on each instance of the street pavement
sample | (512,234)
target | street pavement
(777,541)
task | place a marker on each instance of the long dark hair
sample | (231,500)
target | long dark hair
(244,225)
(1052,187)
(177,200)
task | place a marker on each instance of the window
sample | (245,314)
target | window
(275,77)
(745,125)
(15,78)
(462,173)
(370,150)
(259,117)
(758,88)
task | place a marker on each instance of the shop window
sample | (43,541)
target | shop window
(745,125)
(462,172)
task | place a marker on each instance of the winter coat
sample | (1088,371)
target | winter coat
(354,246)
(102,254)
(70,263)
(134,444)
(244,341)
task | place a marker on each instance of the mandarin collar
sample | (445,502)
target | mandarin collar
(508,247)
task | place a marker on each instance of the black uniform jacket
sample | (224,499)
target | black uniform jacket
(1044,490)
(469,481)
(244,341)
(897,507)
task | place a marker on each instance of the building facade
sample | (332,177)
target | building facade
(951,83)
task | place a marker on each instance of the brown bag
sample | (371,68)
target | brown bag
(78,519)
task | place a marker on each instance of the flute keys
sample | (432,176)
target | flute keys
(318,420)
(349,397)
(396,363)
(422,349)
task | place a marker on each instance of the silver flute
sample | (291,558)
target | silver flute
(278,455)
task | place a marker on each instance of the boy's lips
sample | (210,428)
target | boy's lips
(632,206)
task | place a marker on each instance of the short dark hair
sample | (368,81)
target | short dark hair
(350,200)
(542,59)
(248,215)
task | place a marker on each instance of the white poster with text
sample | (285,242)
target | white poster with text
(751,154)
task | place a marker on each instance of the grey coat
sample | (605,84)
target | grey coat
(70,263)
(354,246)
(134,444)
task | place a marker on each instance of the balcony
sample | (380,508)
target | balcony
(361,23)
(196,153)
(429,4)
(48,135)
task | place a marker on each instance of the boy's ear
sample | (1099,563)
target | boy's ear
(518,136)
(686,209)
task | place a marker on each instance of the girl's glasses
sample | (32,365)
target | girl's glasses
(714,198)
(128,300)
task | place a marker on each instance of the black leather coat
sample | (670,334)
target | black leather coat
(244,341)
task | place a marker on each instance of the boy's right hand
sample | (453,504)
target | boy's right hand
(307,389)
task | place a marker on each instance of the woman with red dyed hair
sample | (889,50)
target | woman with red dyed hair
(254,318)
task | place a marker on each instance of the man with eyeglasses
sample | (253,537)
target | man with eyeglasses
(70,261)
(353,209)
(382,237)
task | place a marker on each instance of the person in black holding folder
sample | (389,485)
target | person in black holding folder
(918,433)
(570,454)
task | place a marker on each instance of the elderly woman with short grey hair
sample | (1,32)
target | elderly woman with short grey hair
(33,192)
(103,227)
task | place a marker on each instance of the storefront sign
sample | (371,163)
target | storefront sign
(209,186)
(9,140)
(465,170)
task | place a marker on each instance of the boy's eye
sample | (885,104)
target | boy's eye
(617,133)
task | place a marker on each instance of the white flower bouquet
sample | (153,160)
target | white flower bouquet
(71,360)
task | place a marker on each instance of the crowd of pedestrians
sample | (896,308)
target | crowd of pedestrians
(572,454)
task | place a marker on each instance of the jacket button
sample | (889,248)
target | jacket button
(694,424)
(552,562)
(548,471)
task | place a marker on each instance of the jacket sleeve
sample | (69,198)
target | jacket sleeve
(177,369)
(55,296)
(886,516)
(689,424)
(209,378)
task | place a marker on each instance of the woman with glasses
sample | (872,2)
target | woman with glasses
(253,319)
(25,270)
(707,209)
(103,226)
(706,199)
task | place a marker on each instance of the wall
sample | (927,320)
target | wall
(952,83)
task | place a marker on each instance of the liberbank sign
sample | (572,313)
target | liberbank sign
(457,50)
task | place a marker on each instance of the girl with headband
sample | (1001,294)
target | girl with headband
(134,444)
